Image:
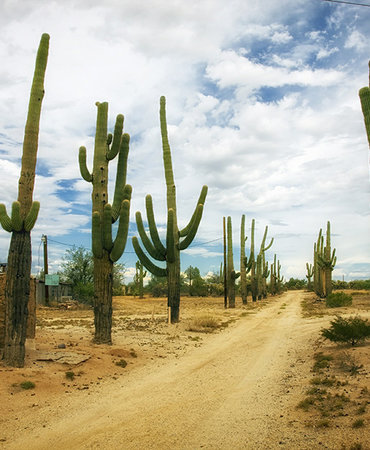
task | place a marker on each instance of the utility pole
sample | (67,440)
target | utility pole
(44,239)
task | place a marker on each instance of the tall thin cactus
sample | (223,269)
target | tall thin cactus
(170,253)
(20,223)
(106,250)
(231,274)
(364,94)
(244,269)
(140,274)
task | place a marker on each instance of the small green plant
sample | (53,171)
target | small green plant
(338,299)
(323,423)
(321,361)
(306,403)
(121,363)
(359,423)
(352,330)
(27,385)
(70,375)
(323,381)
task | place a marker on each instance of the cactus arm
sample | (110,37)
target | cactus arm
(155,270)
(119,191)
(16,216)
(166,145)
(193,230)
(31,217)
(235,275)
(153,252)
(201,201)
(122,232)
(153,227)
(364,94)
(97,247)
(115,148)
(263,248)
(5,220)
(107,227)
(86,175)
(170,237)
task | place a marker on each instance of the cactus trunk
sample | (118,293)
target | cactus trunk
(103,285)
(18,288)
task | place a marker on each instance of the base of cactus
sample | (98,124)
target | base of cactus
(17,294)
(103,289)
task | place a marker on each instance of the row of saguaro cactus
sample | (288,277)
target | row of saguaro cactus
(176,239)
(324,261)
(21,221)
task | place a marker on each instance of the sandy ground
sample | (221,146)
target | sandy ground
(237,388)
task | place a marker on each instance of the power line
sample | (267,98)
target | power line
(348,3)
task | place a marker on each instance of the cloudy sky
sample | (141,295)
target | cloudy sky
(262,106)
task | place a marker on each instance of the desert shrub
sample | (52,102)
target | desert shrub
(352,330)
(27,385)
(321,361)
(70,375)
(205,324)
(121,363)
(358,423)
(338,299)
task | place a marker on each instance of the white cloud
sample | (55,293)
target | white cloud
(356,40)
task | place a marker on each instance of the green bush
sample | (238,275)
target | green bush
(352,330)
(337,299)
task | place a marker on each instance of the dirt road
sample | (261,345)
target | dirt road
(238,391)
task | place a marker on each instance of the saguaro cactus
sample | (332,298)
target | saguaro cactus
(326,260)
(231,274)
(310,272)
(139,278)
(257,265)
(244,268)
(174,244)
(105,250)
(20,223)
(364,94)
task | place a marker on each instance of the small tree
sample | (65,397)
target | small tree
(352,330)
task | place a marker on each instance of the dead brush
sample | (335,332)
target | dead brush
(203,324)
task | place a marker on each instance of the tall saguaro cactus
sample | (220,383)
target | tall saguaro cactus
(231,274)
(326,260)
(140,274)
(105,250)
(310,272)
(244,268)
(176,239)
(364,94)
(20,223)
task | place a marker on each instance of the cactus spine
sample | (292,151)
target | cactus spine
(105,250)
(171,252)
(364,94)
(23,217)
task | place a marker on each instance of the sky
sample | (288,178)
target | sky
(262,107)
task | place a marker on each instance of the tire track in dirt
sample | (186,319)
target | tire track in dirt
(236,391)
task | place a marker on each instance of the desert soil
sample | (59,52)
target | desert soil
(235,388)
